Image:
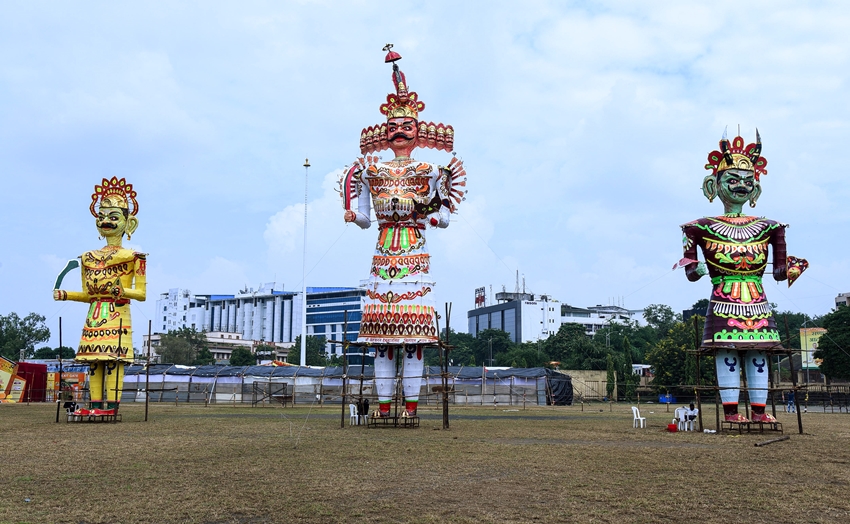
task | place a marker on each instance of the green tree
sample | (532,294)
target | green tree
(661,318)
(242,357)
(460,355)
(574,350)
(175,350)
(18,333)
(791,336)
(673,360)
(50,353)
(701,305)
(834,345)
(488,344)
(523,356)
(610,377)
(627,381)
(316,354)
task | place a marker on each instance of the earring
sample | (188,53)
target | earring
(752,203)
(128,236)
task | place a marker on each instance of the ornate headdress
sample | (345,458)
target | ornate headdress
(736,156)
(114,193)
(404,104)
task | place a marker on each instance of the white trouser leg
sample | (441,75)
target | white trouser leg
(728,375)
(412,367)
(757,376)
(384,372)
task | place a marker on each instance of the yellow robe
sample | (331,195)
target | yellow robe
(108,332)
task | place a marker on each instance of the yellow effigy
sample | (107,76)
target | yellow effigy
(111,277)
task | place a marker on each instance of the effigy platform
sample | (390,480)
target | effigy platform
(732,426)
(393,422)
(93,415)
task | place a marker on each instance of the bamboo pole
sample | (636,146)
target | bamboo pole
(59,401)
(148,372)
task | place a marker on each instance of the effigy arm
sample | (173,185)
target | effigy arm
(695,270)
(139,290)
(777,243)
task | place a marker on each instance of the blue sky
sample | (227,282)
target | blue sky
(584,127)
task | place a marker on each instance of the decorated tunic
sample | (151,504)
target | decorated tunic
(406,196)
(108,275)
(736,250)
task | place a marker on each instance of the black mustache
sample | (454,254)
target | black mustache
(741,191)
(108,225)
(400,134)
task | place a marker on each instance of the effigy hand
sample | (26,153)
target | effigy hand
(349,216)
(701,269)
(117,290)
(58,294)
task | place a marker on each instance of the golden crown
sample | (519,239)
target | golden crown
(114,193)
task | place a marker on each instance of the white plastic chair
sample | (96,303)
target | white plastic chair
(638,420)
(680,418)
(352,411)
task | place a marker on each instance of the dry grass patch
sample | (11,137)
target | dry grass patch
(546,464)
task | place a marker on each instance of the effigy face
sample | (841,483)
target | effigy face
(736,186)
(401,134)
(113,222)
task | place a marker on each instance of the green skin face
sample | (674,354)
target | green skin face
(734,187)
(112,224)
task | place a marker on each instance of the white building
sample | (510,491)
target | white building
(528,318)
(268,315)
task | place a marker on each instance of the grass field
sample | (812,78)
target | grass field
(544,464)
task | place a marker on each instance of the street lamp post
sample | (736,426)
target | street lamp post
(304,273)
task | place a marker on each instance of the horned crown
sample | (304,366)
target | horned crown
(114,193)
(735,156)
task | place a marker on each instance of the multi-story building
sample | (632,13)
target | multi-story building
(843,299)
(268,315)
(529,318)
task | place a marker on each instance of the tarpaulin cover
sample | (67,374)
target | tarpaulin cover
(561,389)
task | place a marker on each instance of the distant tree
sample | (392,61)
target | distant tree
(790,335)
(673,360)
(523,356)
(18,333)
(701,305)
(242,357)
(661,318)
(627,381)
(50,353)
(461,353)
(316,355)
(834,345)
(175,350)
(610,377)
(490,342)
(203,357)
(65,352)
(560,345)
(44,353)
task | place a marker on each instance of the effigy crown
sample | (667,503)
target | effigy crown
(735,156)
(114,193)
(404,104)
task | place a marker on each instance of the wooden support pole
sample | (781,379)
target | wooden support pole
(771,441)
